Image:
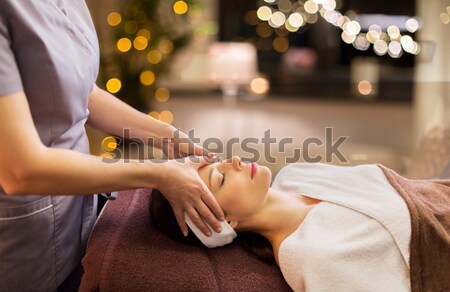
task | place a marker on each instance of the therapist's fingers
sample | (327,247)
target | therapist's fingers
(179,215)
(209,205)
(198,221)
(209,217)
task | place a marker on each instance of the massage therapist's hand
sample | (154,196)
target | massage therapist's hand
(180,145)
(182,186)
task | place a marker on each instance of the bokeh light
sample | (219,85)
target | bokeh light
(365,87)
(393,31)
(162,94)
(140,43)
(412,25)
(113,85)
(380,47)
(259,85)
(165,46)
(144,33)
(147,78)
(264,13)
(264,30)
(166,116)
(277,19)
(445,18)
(109,144)
(311,7)
(180,7)
(154,56)
(295,20)
(124,45)
(280,44)
(114,19)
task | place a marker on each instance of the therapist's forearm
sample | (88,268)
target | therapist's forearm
(111,115)
(73,173)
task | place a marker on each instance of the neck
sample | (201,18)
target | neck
(280,216)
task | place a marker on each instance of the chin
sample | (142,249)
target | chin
(266,175)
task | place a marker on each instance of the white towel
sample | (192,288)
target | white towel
(357,239)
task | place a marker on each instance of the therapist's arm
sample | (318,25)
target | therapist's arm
(29,167)
(111,115)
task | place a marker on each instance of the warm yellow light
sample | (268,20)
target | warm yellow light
(114,19)
(264,13)
(165,46)
(407,43)
(180,7)
(144,33)
(140,43)
(280,44)
(113,85)
(154,57)
(131,27)
(380,47)
(109,144)
(162,94)
(365,87)
(166,116)
(154,115)
(259,85)
(147,78)
(277,19)
(311,7)
(393,31)
(348,38)
(296,20)
(124,45)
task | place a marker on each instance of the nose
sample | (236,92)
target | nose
(236,162)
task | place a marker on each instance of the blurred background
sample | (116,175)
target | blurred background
(377,73)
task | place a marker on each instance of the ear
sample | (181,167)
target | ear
(233,224)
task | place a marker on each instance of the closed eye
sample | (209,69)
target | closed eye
(223,179)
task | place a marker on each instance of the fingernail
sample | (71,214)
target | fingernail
(209,234)
(185,233)
(219,229)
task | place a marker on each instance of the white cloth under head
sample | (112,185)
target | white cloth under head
(226,236)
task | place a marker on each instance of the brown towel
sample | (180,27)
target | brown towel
(125,253)
(429,207)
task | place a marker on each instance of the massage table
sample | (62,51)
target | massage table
(126,253)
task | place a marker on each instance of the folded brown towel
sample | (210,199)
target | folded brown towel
(126,253)
(429,207)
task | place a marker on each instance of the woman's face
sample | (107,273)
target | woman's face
(239,188)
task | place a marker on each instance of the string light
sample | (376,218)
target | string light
(124,45)
(113,85)
(180,7)
(114,18)
(291,15)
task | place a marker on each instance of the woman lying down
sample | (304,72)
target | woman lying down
(331,228)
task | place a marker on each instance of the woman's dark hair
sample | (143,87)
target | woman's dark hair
(163,219)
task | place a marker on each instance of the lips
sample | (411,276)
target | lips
(253,169)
